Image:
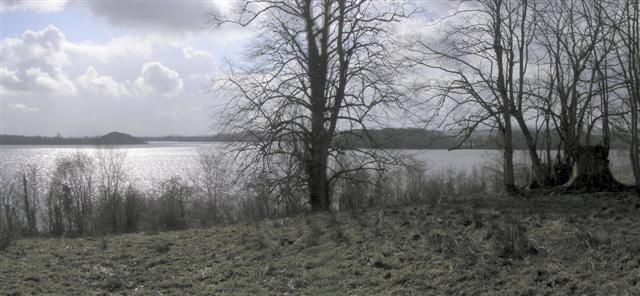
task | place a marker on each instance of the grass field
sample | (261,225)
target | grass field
(548,245)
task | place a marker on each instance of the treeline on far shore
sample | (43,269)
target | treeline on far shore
(387,138)
(414,138)
(112,138)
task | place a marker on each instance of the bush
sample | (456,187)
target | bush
(133,208)
(8,218)
(171,204)
(213,183)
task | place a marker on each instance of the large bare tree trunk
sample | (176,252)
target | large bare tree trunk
(318,187)
(317,180)
(634,86)
(628,54)
(28,207)
(591,171)
(634,153)
(509,180)
(636,98)
(318,154)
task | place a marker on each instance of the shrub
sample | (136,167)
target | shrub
(69,204)
(133,208)
(8,218)
(170,206)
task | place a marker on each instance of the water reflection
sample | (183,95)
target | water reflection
(147,164)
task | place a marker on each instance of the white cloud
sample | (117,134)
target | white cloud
(42,6)
(157,79)
(48,39)
(43,81)
(9,79)
(42,70)
(93,82)
(36,62)
(22,108)
(37,48)
(191,53)
(44,63)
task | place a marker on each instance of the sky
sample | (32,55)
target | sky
(85,68)
(144,67)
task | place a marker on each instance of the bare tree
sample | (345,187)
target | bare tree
(30,195)
(112,178)
(625,19)
(485,56)
(69,203)
(214,181)
(578,44)
(318,68)
(171,205)
(8,213)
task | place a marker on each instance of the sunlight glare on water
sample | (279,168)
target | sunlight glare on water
(146,165)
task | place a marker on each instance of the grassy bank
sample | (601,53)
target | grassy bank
(551,245)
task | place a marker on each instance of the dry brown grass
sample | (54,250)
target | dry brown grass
(550,245)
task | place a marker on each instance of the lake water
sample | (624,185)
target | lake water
(147,164)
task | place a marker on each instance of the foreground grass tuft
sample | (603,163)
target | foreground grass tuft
(559,245)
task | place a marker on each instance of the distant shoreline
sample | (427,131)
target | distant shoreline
(112,138)
(70,144)
(389,138)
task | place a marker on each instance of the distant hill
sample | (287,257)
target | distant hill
(116,138)
(112,138)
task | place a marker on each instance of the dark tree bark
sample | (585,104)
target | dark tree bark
(591,171)
(28,206)
(509,180)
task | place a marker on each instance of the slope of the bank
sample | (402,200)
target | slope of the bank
(554,245)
